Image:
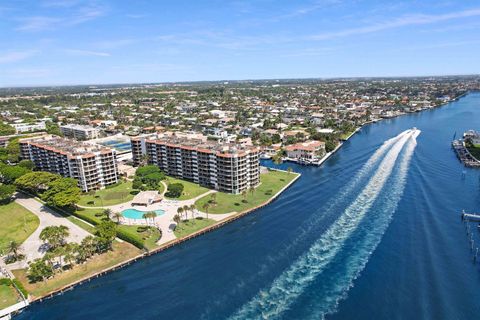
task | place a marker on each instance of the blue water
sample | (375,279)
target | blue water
(375,233)
(137,214)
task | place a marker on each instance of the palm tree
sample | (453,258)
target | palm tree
(213,198)
(180,211)
(118,216)
(205,207)
(185,209)
(14,249)
(107,213)
(177,219)
(192,208)
(252,190)
(244,195)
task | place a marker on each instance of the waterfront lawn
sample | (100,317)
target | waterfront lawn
(17,224)
(190,189)
(345,135)
(121,252)
(95,216)
(8,296)
(123,192)
(270,183)
(475,151)
(187,227)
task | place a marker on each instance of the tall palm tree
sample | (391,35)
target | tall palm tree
(192,208)
(186,209)
(252,190)
(244,195)
(205,207)
(177,219)
(180,211)
(118,216)
(213,198)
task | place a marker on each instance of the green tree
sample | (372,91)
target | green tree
(36,182)
(6,192)
(106,231)
(62,193)
(8,174)
(6,129)
(39,270)
(174,190)
(54,236)
(27,164)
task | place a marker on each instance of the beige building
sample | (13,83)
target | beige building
(308,150)
(230,168)
(79,132)
(93,166)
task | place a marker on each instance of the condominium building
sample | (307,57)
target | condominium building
(93,166)
(230,168)
(28,127)
(79,132)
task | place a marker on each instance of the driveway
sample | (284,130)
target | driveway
(33,247)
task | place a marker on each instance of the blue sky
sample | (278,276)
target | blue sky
(55,42)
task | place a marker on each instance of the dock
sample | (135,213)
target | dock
(464,155)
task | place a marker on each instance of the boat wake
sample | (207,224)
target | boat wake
(272,302)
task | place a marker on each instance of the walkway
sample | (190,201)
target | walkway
(33,247)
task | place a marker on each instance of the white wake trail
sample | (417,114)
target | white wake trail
(290,284)
(357,259)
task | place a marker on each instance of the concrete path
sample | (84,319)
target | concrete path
(33,247)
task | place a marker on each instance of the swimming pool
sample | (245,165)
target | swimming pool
(137,214)
(120,145)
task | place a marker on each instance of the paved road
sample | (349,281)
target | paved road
(33,247)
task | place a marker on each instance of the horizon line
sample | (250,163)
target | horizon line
(234,80)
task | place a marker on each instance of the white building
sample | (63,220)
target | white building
(79,132)
(26,127)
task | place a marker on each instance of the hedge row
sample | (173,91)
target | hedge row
(130,238)
(20,287)
(122,234)
(16,283)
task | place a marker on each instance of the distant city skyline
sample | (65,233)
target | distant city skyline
(70,42)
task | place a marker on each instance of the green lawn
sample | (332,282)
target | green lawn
(17,224)
(121,252)
(271,183)
(109,196)
(94,216)
(475,151)
(8,296)
(345,135)
(190,189)
(187,227)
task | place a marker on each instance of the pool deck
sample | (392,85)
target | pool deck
(165,221)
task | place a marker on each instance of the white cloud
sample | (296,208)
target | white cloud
(87,53)
(14,56)
(77,12)
(405,21)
